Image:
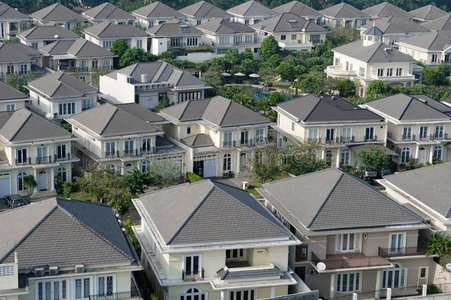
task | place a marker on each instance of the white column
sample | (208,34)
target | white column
(332,286)
(273,292)
(52,179)
(323,154)
(138,165)
(424,290)
(35,174)
(337,163)
(222,295)
(431,154)
(122,168)
(388,294)
(238,162)
(417,151)
(378,285)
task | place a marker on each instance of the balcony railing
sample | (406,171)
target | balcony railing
(349,260)
(410,137)
(130,153)
(260,141)
(193,277)
(26,161)
(43,159)
(370,138)
(116,296)
(65,157)
(339,71)
(422,138)
(405,251)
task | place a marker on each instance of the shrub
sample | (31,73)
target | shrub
(191,177)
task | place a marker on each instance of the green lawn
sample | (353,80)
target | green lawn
(81,196)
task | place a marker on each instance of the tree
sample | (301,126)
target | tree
(286,71)
(247,54)
(137,181)
(132,56)
(163,103)
(378,89)
(267,164)
(265,103)
(29,183)
(374,160)
(269,47)
(346,88)
(303,159)
(439,244)
(18,81)
(119,47)
(212,77)
(435,76)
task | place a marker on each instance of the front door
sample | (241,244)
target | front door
(42,181)
(422,155)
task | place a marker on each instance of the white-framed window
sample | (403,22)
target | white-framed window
(407,133)
(242,295)
(34,45)
(139,44)
(439,131)
(345,157)
(191,41)
(227,162)
(405,155)
(10,107)
(129,146)
(61,173)
(23,69)
(145,165)
(346,134)
(87,103)
(283,37)
(394,278)
(390,72)
(314,155)
(7,270)
(249,39)
(106,285)
(66,108)
(380,72)
(194,293)
(437,151)
(348,282)
(434,58)
(113,168)
(192,265)
(146,145)
(227,138)
(398,71)
(55,289)
(423,132)
(21,155)
(107,44)
(188,130)
(82,288)
(313,134)
(369,133)
(293,37)
(397,242)
(42,154)
(259,135)
(61,151)
(244,137)
(224,40)
(348,242)
(423,273)
(330,134)
(20,181)
(110,148)
(362,72)
(235,254)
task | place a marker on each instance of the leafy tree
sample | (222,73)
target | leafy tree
(18,81)
(302,160)
(273,61)
(286,71)
(249,66)
(439,244)
(374,160)
(435,76)
(378,89)
(78,30)
(346,88)
(269,47)
(247,54)
(132,56)
(119,47)
(67,189)
(137,181)
(29,183)
(212,77)
(265,103)
(163,103)
(267,164)
(267,74)
(232,58)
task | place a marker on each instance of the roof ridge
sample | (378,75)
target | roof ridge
(407,106)
(160,70)
(109,121)
(313,108)
(375,51)
(225,113)
(21,125)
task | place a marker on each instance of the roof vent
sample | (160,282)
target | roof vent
(79,268)
(388,51)
(53,271)
(144,78)
(56,36)
(39,272)
(422,100)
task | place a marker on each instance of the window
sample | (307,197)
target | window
(34,45)
(337,61)
(437,152)
(188,130)
(107,44)
(314,155)
(259,135)
(137,98)
(330,134)
(82,288)
(10,107)
(61,152)
(193,294)
(423,273)
(42,154)
(390,72)
(23,69)
(369,133)
(21,155)
(292,126)
(113,168)
(394,278)
(235,254)
(380,72)
(398,71)
(139,44)
(312,134)
(176,42)
(227,139)
(242,295)
(434,58)
(129,147)
(345,157)
(407,133)
(237,40)
(192,265)
(224,40)
(249,39)
(361,72)
(439,130)
(397,242)
(52,289)
(293,37)
(87,104)
(20,183)
(61,173)
(346,134)
(66,108)
(107,64)
(348,282)
(227,162)
(145,166)
(146,145)
(110,148)
(348,242)
(283,37)
(106,285)
(7,270)
(161,96)
(405,155)
(423,132)
(244,137)
(191,41)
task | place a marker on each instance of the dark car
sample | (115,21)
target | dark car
(14,201)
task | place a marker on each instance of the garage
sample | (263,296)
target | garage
(210,166)
(5,184)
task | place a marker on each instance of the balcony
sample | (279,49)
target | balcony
(350,260)
(193,277)
(408,77)
(65,157)
(134,294)
(405,251)
(43,160)
(130,153)
(339,71)
(370,138)
(296,46)
(260,141)
(427,138)
(26,161)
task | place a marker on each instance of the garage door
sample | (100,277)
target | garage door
(210,166)
(5,184)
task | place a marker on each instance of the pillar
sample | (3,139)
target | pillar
(388,294)
(35,174)
(122,168)
(337,163)
(138,165)
(332,286)
(378,285)
(431,154)
(238,162)
(417,151)
(222,295)
(273,292)
(52,178)
(323,154)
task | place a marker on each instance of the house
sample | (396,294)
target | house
(418,127)
(250,12)
(39,36)
(222,35)
(370,59)
(58,14)
(292,32)
(104,34)
(12,21)
(79,57)
(439,24)
(220,136)
(427,13)
(385,9)
(32,145)
(209,240)
(123,137)
(174,34)
(43,254)
(338,128)
(59,95)
(16,58)
(343,15)
(433,48)
(148,83)
(154,14)
(108,12)
(354,238)
(301,10)
(202,12)
(10,98)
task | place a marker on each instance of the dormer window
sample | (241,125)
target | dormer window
(293,23)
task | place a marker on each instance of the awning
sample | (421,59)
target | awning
(358,148)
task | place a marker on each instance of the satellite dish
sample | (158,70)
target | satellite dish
(448,266)
(321,266)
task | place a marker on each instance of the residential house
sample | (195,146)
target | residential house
(11,98)
(154,14)
(250,12)
(439,24)
(148,83)
(209,240)
(343,15)
(58,14)
(368,60)
(427,13)
(12,21)
(385,9)
(220,135)
(123,137)
(202,12)
(32,145)
(300,9)
(59,95)
(174,34)
(292,32)
(104,34)
(354,238)
(16,58)
(418,127)
(79,57)
(43,253)
(39,36)
(338,128)
(108,12)
(433,48)
(222,35)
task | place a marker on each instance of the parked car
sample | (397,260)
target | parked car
(14,201)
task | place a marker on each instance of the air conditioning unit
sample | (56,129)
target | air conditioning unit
(79,268)
(39,272)
(53,271)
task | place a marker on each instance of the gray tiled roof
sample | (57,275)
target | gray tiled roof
(251,8)
(17,52)
(442,23)
(8,13)
(332,199)
(404,107)
(375,53)
(8,92)
(60,84)
(428,12)
(157,10)
(345,11)
(48,32)
(57,12)
(289,22)
(399,25)
(203,10)
(79,48)
(299,9)
(173,28)
(224,26)
(432,41)
(107,11)
(385,9)
(110,120)
(111,30)
(312,108)
(218,111)
(141,112)
(209,212)
(198,140)
(374,30)
(68,227)
(429,185)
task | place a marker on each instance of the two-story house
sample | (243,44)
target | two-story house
(250,12)
(12,21)
(337,127)
(202,12)
(439,24)
(220,135)
(301,10)
(154,14)
(123,137)
(104,34)
(148,83)
(11,98)
(108,12)
(354,238)
(368,60)
(59,95)
(418,127)
(32,145)
(222,35)
(173,34)
(17,58)
(43,253)
(292,32)
(343,15)
(427,13)
(385,9)
(208,240)
(39,36)
(432,48)
(58,14)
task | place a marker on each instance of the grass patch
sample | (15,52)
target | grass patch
(252,189)
(281,85)
(81,196)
